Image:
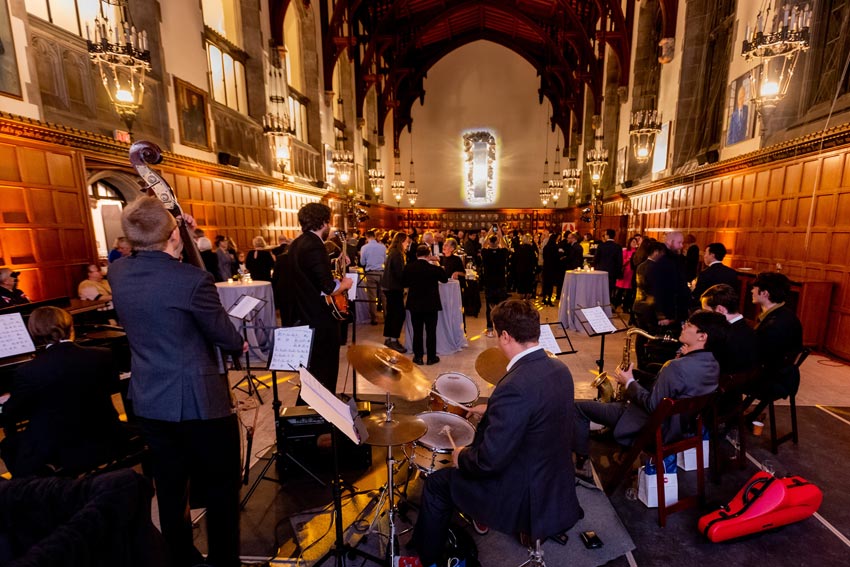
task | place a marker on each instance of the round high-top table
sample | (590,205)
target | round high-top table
(580,290)
(450,335)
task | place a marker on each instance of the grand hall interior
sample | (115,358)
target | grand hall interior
(275,276)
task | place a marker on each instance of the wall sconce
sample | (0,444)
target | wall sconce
(643,127)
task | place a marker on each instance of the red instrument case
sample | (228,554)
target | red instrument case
(765,503)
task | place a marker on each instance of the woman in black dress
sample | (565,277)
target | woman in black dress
(391,283)
(260,261)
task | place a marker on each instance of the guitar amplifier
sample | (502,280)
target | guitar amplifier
(301,427)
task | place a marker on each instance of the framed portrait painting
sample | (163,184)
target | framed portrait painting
(10,80)
(192,115)
(740,123)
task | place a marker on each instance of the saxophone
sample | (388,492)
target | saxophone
(608,390)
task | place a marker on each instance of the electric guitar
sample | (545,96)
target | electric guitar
(338,303)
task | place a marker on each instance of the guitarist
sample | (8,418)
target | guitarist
(304,280)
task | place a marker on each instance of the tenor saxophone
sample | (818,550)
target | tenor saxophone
(607,390)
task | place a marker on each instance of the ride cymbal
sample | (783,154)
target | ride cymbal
(491,365)
(400,430)
(389,371)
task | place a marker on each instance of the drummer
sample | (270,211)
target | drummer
(516,476)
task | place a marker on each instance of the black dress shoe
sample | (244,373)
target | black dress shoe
(433,360)
(418,360)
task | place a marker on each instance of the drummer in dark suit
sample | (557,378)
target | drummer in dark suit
(181,396)
(422,278)
(515,476)
(716,272)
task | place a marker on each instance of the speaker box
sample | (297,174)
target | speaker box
(225,158)
(301,427)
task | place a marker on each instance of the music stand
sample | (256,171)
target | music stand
(548,339)
(342,417)
(597,323)
(245,309)
(288,358)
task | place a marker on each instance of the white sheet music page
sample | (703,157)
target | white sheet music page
(291,348)
(598,320)
(14,338)
(243,307)
(327,405)
(547,340)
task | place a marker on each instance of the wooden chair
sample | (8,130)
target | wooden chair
(776,441)
(651,440)
(730,391)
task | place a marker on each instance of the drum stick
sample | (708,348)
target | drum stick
(448,431)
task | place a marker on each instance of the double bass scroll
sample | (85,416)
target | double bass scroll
(143,153)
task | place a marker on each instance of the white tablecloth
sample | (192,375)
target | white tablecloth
(582,289)
(258,339)
(450,335)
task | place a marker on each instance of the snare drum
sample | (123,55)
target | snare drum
(453,392)
(433,451)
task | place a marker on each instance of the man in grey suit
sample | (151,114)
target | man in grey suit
(515,476)
(179,390)
(694,373)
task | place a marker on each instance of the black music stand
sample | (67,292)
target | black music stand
(246,313)
(592,327)
(279,452)
(558,325)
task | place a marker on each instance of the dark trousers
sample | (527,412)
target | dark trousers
(393,313)
(607,414)
(428,321)
(435,513)
(208,452)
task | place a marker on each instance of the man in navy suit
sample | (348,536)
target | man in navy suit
(716,272)
(515,476)
(422,278)
(302,281)
(180,393)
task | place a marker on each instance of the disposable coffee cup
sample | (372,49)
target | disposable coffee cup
(758,427)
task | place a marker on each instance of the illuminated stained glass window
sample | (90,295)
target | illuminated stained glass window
(479,159)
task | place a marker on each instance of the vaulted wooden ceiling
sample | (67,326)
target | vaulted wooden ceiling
(393,44)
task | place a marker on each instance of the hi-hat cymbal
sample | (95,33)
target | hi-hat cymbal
(492,364)
(389,371)
(400,430)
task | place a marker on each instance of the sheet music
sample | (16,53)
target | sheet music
(598,320)
(352,291)
(547,339)
(243,307)
(14,338)
(327,405)
(291,348)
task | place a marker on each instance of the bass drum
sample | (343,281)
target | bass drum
(433,451)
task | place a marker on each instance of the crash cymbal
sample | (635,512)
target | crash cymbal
(492,364)
(389,371)
(400,430)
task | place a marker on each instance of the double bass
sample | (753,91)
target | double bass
(144,153)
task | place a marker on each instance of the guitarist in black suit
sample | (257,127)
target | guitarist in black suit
(716,272)
(303,281)
(423,301)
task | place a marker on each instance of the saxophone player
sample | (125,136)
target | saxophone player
(694,373)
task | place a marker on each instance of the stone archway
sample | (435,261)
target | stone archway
(106,212)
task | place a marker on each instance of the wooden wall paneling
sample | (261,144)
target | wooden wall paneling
(762,184)
(793,178)
(9,170)
(33,166)
(60,170)
(207,193)
(240,216)
(199,211)
(13,206)
(825,210)
(771,214)
(48,245)
(68,208)
(230,216)
(777,181)
(18,246)
(831,172)
(30,282)
(749,186)
(220,216)
(217,190)
(737,187)
(74,245)
(810,173)
(818,251)
(838,250)
(56,281)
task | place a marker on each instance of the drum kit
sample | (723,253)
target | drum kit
(427,438)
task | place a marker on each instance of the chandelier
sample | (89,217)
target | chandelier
(545,193)
(397,185)
(572,177)
(556,185)
(276,124)
(777,50)
(343,161)
(121,54)
(643,127)
(376,178)
(597,160)
(412,191)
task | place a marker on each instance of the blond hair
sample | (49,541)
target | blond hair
(147,224)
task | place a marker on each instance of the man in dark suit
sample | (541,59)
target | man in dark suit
(305,280)
(180,393)
(516,475)
(716,272)
(609,258)
(64,394)
(780,340)
(693,374)
(423,301)
(573,253)
(739,353)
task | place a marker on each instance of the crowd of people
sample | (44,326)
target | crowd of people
(185,412)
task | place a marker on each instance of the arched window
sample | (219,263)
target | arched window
(223,34)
